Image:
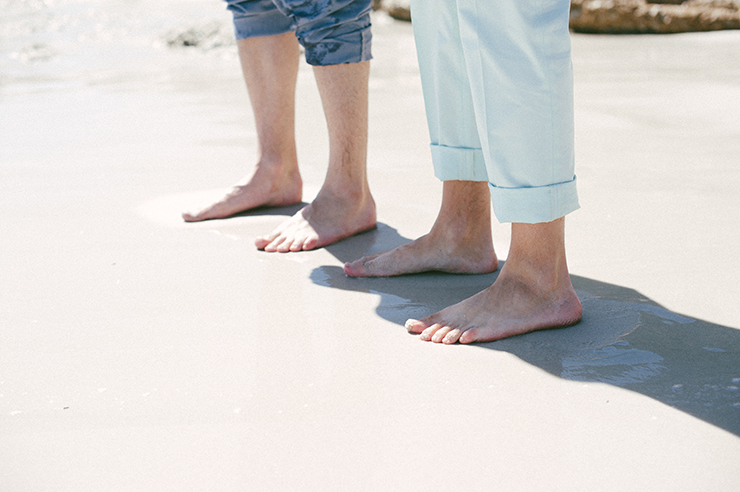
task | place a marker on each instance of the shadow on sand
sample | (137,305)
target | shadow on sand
(266,211)
(624,339)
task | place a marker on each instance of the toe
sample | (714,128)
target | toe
(439,335)
(352,269)
(359,268)
(415,326)
(281,245)
(262,242)
(428,334)
(452,336)
(295,245)
(310,243)
(275,244)
(270,240)
(193,217)
(469,336)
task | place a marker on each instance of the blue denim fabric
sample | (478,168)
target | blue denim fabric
(254,18)
(331,31)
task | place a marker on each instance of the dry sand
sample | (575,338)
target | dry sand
(140,353)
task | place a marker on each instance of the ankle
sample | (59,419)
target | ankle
(280,158)
(542,277)
(346,192)
(462,230)
(278,167)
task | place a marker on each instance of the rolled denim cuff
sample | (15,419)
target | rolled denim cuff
(338,33)
(258,18)
(352,47)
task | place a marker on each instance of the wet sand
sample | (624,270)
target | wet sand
(141,353)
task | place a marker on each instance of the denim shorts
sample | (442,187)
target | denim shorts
(331,31)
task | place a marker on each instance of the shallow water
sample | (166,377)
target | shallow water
(57,42)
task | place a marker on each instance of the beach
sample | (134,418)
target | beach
(142,353)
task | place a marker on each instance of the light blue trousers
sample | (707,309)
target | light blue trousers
(498,90)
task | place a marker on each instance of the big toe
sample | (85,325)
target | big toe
(415,326)
(263,242)
(355,268)
(189,217)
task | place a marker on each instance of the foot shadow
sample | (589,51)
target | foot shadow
(167,210)
(377,240)
(264,211)
(624,338)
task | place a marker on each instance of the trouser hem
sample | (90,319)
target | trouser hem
(536,204)
(458,163)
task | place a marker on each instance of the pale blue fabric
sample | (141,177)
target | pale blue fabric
(498,90)
(331,31)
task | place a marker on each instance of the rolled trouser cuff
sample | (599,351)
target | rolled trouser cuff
(458,163)
(534,204)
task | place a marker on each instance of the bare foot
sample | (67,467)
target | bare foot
(326,220)
(427,254)
(515,304)
(459,242)
(268,186)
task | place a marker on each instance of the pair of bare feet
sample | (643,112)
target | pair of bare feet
(334,215)
(344,205)
(532,292)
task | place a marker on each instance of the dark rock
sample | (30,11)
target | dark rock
(398,9)
(654,17)
(205,36)
(630,16)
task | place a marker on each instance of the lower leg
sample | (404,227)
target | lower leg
(270,68)
(459,242)
(344,205)
(532,292)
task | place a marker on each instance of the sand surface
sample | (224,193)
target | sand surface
(140,353)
